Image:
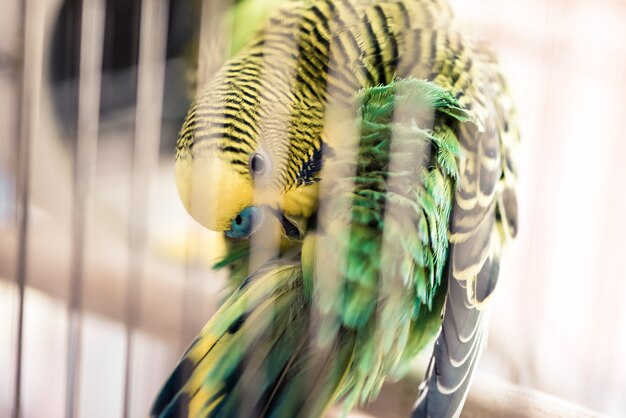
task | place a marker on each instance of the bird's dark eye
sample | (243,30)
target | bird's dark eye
(257,164)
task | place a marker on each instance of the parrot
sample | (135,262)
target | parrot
(359,158)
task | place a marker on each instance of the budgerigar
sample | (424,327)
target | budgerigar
(358,156)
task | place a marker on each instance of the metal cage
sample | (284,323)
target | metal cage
(104,279)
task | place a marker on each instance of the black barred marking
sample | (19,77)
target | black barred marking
(231,130)
(248,98)
(171,403)
(509,200)
(216,120)
(234,150)
(313,30)
(309,91)
(256,54)
(301,147)
(287,175)
(228,406)
(331,6)
(255,87)
(280,37)
(205,136)
(378,57)
(280,21)
(249,101)
(365,71)
(340,91)
(240,132)
(448,61)
(355,53)
(468,64)
(389,37)
(240,166)
(312,78)
(178,408)
(317,56)
(288,14)
(280,49)
(433,46)
(415,54)
(404,14)
(288,69)
(310,169)
(322,18)
(245,115)
(340,47)
(454,78)
(238,323)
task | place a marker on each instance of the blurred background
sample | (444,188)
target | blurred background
(116,277)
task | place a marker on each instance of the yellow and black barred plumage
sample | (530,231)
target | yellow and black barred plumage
(271,98)
(274,99)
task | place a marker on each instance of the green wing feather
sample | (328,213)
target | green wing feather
(390,258)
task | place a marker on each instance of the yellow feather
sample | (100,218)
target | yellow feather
(211,190)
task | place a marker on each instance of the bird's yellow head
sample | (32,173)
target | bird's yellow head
(223,180)
(251,143)
(238,160)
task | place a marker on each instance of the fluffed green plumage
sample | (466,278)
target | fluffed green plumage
(362,348)
(407,214)
(394,247)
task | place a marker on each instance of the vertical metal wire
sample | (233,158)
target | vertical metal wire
(32,47)
(150,84)
(25,105)
(213,46)
(214,40)
(90,75)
